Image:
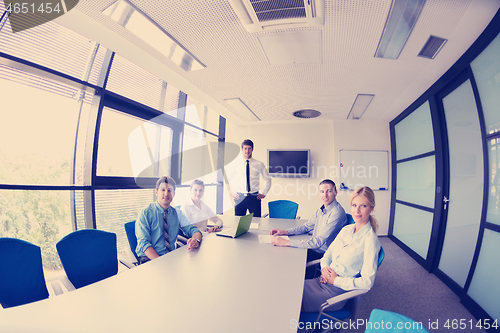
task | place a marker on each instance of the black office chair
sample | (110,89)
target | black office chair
(88,256)
(21,273)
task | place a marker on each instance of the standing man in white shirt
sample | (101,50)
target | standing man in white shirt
(245,183)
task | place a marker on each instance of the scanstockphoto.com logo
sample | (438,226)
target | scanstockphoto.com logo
(25,15)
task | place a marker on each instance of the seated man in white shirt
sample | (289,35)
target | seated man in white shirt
(325,224)
(197,212)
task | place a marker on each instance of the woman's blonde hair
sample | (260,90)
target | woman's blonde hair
(370,196)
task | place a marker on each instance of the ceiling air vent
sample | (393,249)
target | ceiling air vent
(432,47)
(307,113)
(259,15)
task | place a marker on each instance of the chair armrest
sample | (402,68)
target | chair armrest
(182,239)
(67,283)
(345,296)
(126,263)
(56,287)
(313,263)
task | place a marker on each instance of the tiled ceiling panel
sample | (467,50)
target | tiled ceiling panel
(236,65)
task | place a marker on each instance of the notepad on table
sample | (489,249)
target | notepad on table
(266,239)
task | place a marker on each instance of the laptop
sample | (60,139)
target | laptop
(242,227)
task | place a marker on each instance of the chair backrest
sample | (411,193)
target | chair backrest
(132,238)
(283,209)
(381,256)
(88,256)
(21,273)
(407,325)
(350,220)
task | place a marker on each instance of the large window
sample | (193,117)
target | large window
(133,82)
(36,149)
(114,208)
(206,118)
(55,47)
(200,151)
(130,146)
(75,154)
(39,217)
(38,155)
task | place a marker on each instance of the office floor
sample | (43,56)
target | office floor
(405,287)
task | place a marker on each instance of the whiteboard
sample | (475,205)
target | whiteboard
(364,168)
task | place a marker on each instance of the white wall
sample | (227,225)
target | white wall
(365,135)
(324,138)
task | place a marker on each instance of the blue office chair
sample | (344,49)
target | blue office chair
(21,273)
(132,239)
(350,309)
(396,321)
(350,220)
(283,209)
(182,239)
(88,256)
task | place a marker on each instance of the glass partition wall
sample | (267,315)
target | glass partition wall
(446,188)
(415,170)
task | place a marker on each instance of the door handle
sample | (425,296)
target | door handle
(445,200)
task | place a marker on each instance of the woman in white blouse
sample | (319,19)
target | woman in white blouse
(351,260)
(197,212)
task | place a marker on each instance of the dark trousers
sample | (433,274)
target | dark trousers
(313,271)
(313,255)
(143,259)
(249,202)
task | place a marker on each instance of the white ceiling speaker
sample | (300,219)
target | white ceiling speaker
(263,15)
(307,113)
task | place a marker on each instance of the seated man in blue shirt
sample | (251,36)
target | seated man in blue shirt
(325,224)
(158,224)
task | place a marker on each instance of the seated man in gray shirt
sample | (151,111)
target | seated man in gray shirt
(325,224)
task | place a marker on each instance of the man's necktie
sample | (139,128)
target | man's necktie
(165,228)
(248,176)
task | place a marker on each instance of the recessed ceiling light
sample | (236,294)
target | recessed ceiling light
(360,105)
(135,21)
(402,18)
(307,113)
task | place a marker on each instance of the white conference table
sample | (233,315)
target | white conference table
(227,285)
